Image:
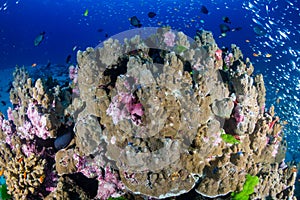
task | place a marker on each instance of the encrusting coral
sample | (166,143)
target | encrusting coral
(155,116)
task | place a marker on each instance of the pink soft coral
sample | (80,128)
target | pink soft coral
(219,54)
(169,39)
(124,106)
(37,124)
(238,114)
(109,184)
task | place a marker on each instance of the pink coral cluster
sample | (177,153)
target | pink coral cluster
(238,115)
(73,75)
(109,184)
(124,106)
(218,54)
(37,124)
(169,38)
(228,59)
(6,127)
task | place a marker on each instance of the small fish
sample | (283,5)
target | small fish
(151,14)
(74,48)
(33,65)
(106,35)
(259,30)
(204,10)
(268,55)
(226,19)
(86,13)
(100,30)
(236,29)
(134,21)
(48,64)
(224,28)
(38,39)
(68,59)
(256,54)
(247,41)
(3,103)
(42,178)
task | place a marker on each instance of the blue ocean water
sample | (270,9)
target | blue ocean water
(72,25)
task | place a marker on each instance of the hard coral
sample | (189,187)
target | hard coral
(181,103)
(23,176)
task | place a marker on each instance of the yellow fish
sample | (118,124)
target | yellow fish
(256,54)
(86,12)
(268,55)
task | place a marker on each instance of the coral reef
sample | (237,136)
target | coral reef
(156,116)
(24,175)
(160,116)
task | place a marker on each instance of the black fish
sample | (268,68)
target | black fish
(224,49)
(100,30)
(48,65)
(237,29)
(68,58)
(10,86)
(259,30)
(151,14)
(226,19)
(204,10)
(106,35)
(3,103)
(224,28)
(39,38)
(134,21)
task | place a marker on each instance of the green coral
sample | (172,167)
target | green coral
(229,139)
(248,188)
(179,49)
(117,198)
(3,192)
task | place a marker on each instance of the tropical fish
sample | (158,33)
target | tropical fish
(226,19)
(134,21)
(68,59)
(48,64)
(259,30)
(151,14)
(224,28)
(236,29)
(268,55)
(256,54)
(204,10)
(86,13)
(3,103)
(38,39)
